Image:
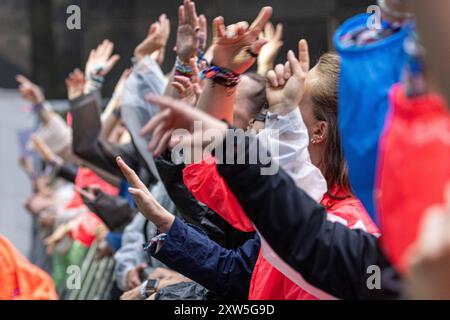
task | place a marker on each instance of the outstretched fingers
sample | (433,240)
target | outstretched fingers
(181,15)
(295,64)
(303,50)
(258,24)
(219,29)
(279,32)
(130,175)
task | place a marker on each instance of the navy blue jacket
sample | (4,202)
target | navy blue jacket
(189,251)
(328,255)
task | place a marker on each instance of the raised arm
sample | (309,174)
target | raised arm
(235,50)
(189,251)
(31,92)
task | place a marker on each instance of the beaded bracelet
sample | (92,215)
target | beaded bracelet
(182,69)
(222,76)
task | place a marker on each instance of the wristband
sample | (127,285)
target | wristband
(93,83)
(222,76)
(182,69)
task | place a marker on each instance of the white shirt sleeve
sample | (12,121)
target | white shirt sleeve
(287,140)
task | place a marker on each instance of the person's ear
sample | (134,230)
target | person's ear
(319,132)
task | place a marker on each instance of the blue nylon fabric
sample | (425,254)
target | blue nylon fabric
(114,240)
(367,75)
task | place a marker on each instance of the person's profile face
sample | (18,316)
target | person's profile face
(245,89)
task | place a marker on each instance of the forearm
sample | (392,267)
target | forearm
(170,91)
(226,272)
(44,111)
(109,118)
(86,124)
(86,140)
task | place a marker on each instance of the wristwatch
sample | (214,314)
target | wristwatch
(148,288)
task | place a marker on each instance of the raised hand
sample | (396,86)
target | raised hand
(270,51)
(75,83)
(156,40)
(237,46)
(188,33)
(145,201)
(176,114)
(101,60)
(29,90)
(286,84)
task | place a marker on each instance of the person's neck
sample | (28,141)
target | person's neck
(317,155)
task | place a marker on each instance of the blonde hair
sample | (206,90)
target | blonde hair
(324,96)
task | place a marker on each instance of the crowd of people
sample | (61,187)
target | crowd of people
(298,181)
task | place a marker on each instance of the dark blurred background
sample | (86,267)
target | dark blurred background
(34,39)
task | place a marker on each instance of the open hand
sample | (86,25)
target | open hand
(237,45)
(101,60)
(145,201)
(156,40)
(189,32)
(174,115)
(43,149)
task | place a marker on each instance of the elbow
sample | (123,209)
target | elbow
(83,152)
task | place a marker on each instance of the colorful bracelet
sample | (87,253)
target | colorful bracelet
(182,69)
(222,76)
